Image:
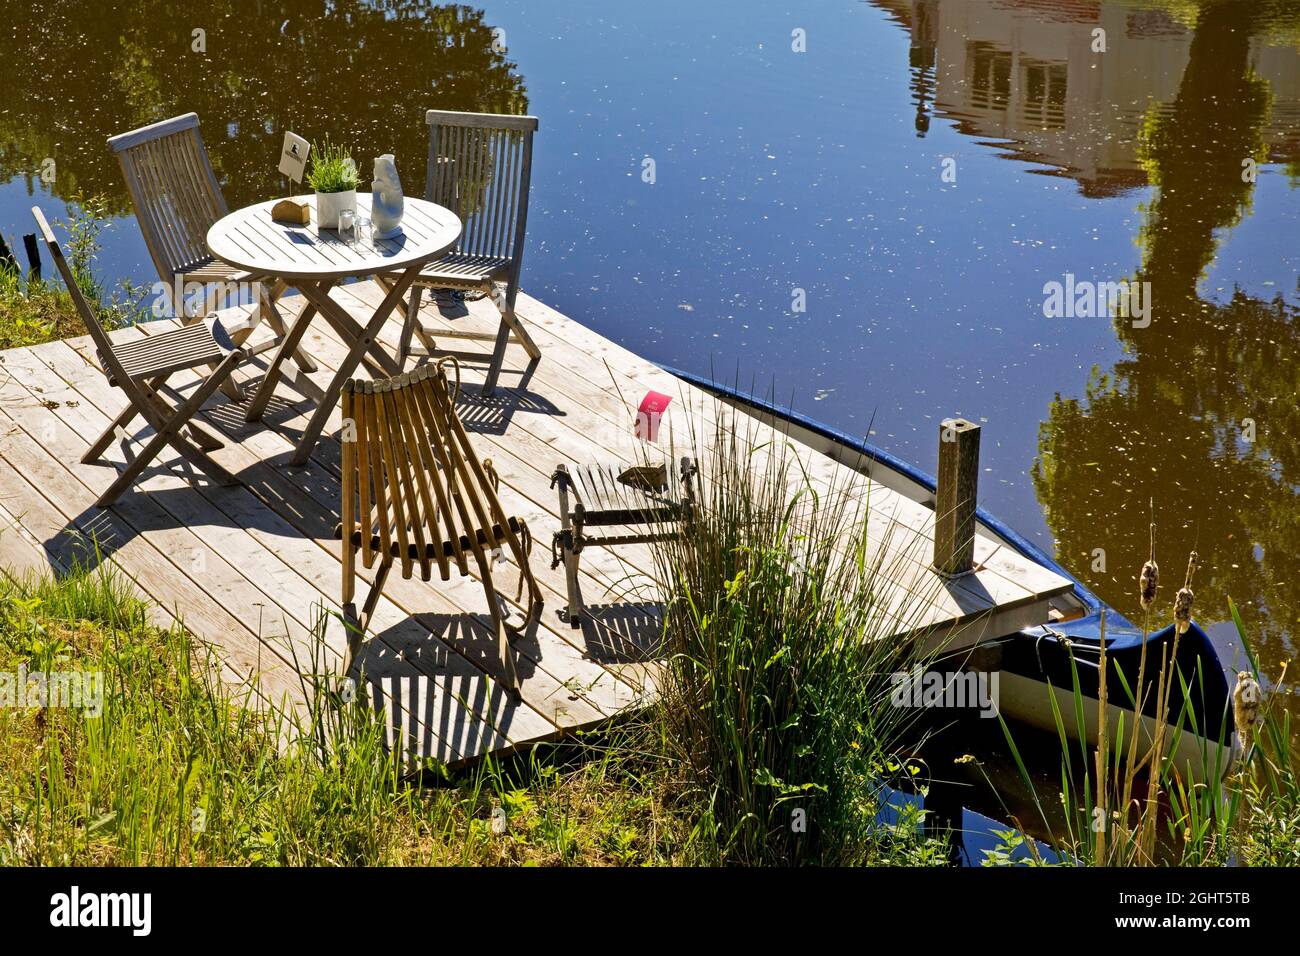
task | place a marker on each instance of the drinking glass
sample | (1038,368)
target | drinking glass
(348,226)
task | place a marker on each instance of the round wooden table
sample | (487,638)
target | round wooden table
(314,260)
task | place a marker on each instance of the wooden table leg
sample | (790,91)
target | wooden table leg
(364,341)
(375,358)
(271,315)
(274,371)
(289,342)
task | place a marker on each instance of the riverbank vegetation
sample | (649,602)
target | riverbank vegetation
(176,769)
(776,701)
(35,309)
(1129,802)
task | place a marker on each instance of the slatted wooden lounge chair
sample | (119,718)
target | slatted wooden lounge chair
(177,199)
(415,491)
(141,368)
(650,503)
(480,166)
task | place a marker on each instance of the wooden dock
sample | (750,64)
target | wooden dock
(251,570)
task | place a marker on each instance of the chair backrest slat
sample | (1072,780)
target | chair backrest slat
(483,499)
(493,154)
(357,412)
(434,433)
(374,444)
(173,189)
(393,452)
(189,188)
(421,464)
(349,509)
(416,475)
(517,211)
(485,177)
(467,488)
(103,345)
(151,216)
(480,167)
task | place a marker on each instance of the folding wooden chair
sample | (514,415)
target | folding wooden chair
(414,490)
(141,368)
(177,199)
(480,167)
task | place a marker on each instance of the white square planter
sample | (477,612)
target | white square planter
(329,205)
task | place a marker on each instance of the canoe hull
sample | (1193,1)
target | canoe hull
(1029,702)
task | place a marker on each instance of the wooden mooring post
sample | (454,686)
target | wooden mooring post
(7,259)
(955,496)
(33,257)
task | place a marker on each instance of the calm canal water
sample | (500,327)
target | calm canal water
(913,172)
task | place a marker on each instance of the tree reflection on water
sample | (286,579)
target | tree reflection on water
(363,72)
(1174,420)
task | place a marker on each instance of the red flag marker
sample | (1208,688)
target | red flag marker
(649,414)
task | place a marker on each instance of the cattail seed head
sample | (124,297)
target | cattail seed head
(1148,581)
(1245,698)
(1183,599)
(1183,610)
(1245,706)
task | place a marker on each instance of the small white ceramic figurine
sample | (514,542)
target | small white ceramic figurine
(386,198)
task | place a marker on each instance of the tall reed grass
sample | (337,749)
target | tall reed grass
(776,698)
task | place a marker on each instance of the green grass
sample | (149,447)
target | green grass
(31,313)
(176,770)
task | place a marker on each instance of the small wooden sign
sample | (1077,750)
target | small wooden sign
(295,212)
(293,156)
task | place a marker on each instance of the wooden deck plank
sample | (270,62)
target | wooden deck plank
(35,444)
(555,694)
(396,674)
(23,555)
(267,547)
